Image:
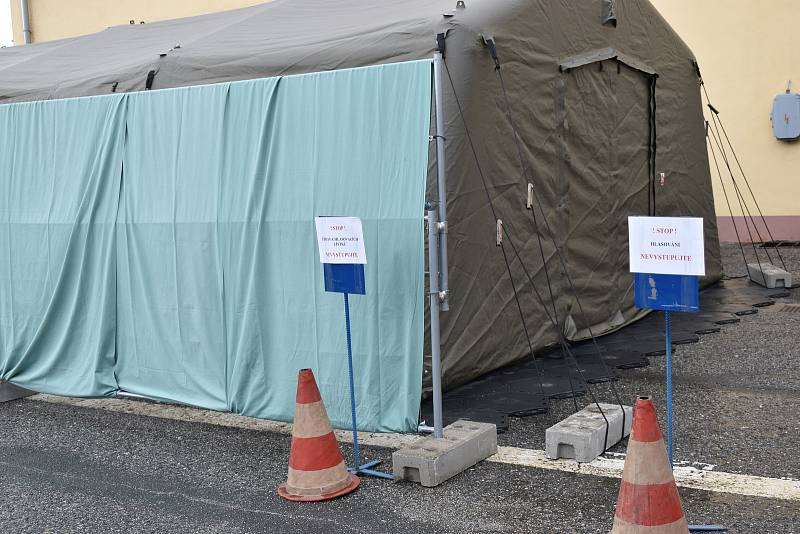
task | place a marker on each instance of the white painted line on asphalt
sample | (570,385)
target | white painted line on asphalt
(197,415)
(686,476)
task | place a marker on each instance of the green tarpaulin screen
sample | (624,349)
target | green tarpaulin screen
(162,243)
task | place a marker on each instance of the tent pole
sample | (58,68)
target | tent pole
(433,291)
(26,21)
(438,87)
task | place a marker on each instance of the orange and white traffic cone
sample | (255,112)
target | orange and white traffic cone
(648,501)
(317,471)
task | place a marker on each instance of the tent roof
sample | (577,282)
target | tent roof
(280,37)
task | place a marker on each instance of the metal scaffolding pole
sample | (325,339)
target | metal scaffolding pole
(437,249)
(438,88)
(433,291)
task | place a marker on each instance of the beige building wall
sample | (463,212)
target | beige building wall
(747,53)
(58,19)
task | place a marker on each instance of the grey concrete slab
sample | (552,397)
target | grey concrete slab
(769,276)
(585,435)
(436,460)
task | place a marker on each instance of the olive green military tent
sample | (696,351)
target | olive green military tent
(562,118)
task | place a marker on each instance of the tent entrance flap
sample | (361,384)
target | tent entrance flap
(607,141)
(605,54)
(180,261)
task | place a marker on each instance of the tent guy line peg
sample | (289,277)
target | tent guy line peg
(499,232)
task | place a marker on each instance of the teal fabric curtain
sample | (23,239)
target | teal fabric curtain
(60,169)
(212,293)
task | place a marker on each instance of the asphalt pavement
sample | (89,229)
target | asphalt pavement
(68,469)
(76,470)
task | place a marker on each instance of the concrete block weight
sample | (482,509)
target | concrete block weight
(433,461)
(769,276)
(582,435)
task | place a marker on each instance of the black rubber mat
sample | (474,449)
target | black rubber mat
(453,411)
(783,244)
(10,392)
(562,386)
(587,369)
(764,304)
(781,295)
(520,381)
(622,352)
(696,322)
(708,330)
(522,389)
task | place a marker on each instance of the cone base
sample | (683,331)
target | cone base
(623,527)
(354,483)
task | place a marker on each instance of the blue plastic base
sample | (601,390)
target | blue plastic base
(364,469)
(707,528)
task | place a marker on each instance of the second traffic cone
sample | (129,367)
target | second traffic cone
(317,471)
(648,501)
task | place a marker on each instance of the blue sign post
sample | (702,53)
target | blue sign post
(667,257)
(340,239)
(668,293)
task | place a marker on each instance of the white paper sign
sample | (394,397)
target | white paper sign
(667,245)
(340,240)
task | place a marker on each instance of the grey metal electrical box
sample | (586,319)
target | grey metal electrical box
(786,116)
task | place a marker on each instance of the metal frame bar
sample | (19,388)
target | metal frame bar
(438,281)
(436,357)
(438,87)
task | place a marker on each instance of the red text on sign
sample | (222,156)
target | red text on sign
(665,231)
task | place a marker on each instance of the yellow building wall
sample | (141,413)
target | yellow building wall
(747,53)
(58,19)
